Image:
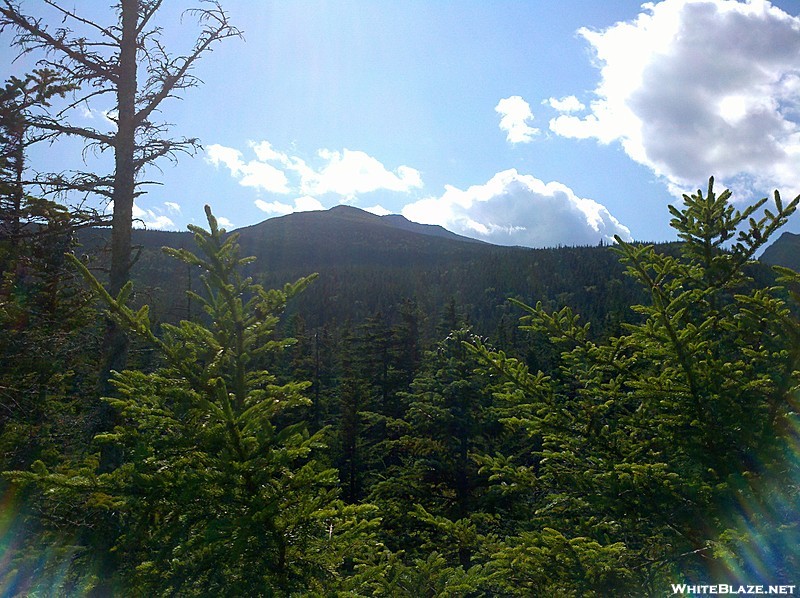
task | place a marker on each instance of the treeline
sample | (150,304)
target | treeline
(365,461)
(478,281)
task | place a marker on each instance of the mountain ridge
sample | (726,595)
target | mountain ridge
(326,238)
(785,251)
(352,214)
(369,264)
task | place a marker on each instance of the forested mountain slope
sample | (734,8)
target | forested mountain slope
(784,252)
(370,264)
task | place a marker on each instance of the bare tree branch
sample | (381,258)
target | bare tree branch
(63,128)
(83,99)
(147,14)
(36,36)
(174,75)
(77,181)
(161,148)
(72,15)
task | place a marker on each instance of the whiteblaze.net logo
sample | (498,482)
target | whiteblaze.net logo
(730,589)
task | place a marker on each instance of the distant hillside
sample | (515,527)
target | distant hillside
(349,235)
(370,264)
(784,252)
(398,221)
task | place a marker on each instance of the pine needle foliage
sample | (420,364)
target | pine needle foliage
(666,452)
(214,495)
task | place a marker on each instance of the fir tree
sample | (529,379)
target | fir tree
(213,495)
(436,499)
(651,439)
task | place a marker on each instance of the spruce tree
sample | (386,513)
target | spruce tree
(436,499)
(213,495)
(650,442)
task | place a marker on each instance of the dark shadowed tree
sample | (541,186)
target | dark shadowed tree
(436,498)
(43,311)
(126,62)
(19,99)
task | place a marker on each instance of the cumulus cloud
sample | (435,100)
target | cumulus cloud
(277,208)
(697,88)
(151,219)
(173,207)
(567,104)
(254,173)
(265,152)
(350,173)
(516,209)
(515,114)
(346,174)
(224,222)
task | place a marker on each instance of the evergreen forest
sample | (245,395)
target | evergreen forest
(229,413)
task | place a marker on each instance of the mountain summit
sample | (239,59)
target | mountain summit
(345,213)
(351,235)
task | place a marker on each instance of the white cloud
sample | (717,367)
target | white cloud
(516,209)
(227,156)
(265,152)
(567,104)
(173,207)
(697,88)
(514,116)
(108,117)
(350,173)
(378,210)
(301,204)
(307,204)
(346,174)
(254,173)
(264,176)
(150,219)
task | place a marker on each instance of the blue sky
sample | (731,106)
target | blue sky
(518,122)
